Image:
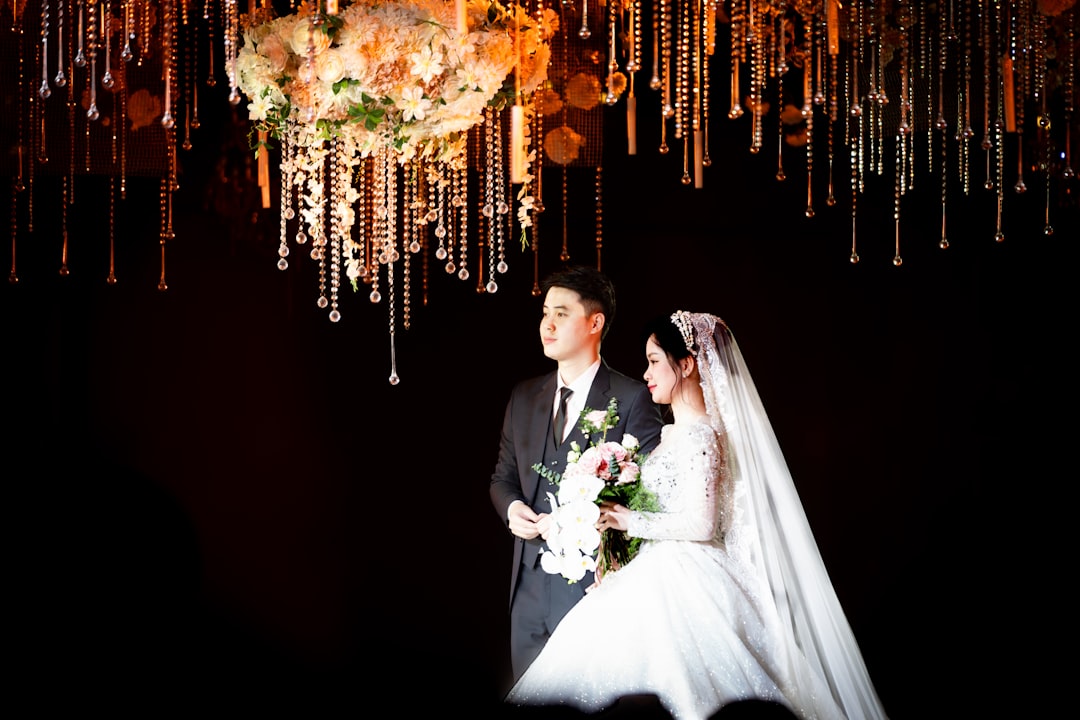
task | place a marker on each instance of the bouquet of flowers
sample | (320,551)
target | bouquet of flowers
(605,470)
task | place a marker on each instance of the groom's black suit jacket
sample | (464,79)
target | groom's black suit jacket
(527,439)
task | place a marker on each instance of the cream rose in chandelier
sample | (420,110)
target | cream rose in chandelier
(394,75)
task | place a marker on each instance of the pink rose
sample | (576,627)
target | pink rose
(613,450)
(628,472)
(591,461)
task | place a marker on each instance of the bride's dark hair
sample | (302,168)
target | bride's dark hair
(667,336)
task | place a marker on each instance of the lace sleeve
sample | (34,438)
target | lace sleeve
(684,472)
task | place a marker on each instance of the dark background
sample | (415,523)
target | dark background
(216,499)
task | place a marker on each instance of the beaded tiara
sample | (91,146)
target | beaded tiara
(681,320)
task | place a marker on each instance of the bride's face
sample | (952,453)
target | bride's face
(660,376)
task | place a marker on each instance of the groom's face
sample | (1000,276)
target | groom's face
(566,329)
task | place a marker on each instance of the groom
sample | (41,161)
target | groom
(579,306)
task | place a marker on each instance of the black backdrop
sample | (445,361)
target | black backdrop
(216,499)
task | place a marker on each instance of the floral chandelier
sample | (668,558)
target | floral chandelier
(373,107)
(418,129)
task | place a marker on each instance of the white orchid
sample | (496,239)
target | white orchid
(573,539)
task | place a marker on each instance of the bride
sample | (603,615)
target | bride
(728,598)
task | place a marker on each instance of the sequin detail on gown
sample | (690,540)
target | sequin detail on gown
(684,620)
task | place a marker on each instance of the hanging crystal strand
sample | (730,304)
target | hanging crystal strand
(897,193)
(231,40)
(655,82)
(409,241)
(756,40)
(61,76)
(855,136)
(126,54)
(163,199)
(808,110)
(167,58)
(92,113)
(460,200)
(738,54)
(926,72)
(463,239)
(317,213)
(338,177)
(68,50)
(491,285)
(683,69)
(420,179)
(384,202)
(853,119)
(189,41)
(285,211)
(18,185)
(147,27)
(392,322)
(941,125)
(880,96)
(611,97)
(695,96)
(598,185)
(1070,89)
(1018,53)
(871,56)
(359,250)
(491,120)
(667,111)
(780,175)
(964,131)
(111,277)
(43,90)
(633,65)
(584,32)
(1040,72)
(1001,51)
(169,185)
(987,145)
(502,206)
(705,92)
(80,53)
(107,79)
(211,81)
(392,220)
(378,221)
(903,135)
(832,57)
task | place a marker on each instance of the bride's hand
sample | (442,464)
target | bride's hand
(613,517)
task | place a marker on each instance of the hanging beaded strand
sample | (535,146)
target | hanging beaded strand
(854,121)
(1043,121)
(1018,54)
(987,145)
(831,21)
(964,133)
(999,123)
(598,184)
(808,109)
(17,184)
(1070,89)
(110,279)
(738,54)
(1069,72)
(941,124)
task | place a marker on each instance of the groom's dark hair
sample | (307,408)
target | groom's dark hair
(595,289)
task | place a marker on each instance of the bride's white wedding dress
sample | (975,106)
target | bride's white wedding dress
(687,620)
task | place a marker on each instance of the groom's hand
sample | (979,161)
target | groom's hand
(523,521)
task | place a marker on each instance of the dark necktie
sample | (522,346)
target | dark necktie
(560,416)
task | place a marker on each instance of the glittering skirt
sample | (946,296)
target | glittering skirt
(680,622)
